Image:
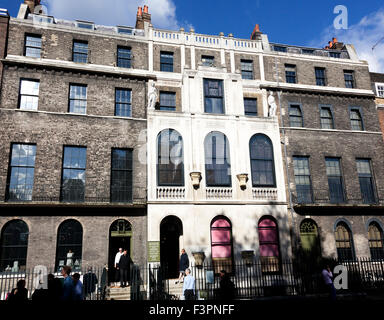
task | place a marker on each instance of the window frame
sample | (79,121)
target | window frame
(9,173)
(32,47)
(292,66)
(28,95)
(377,85)
(272,161)
(353,81)
(309,176)
(248,113)
(78,53)
(179,167)
(247,74)
(372,180)
(360,110)
(299,105)
(127,60)
(324,79)
(79,199)
(351,241)
(72,99)
(341,177)
(165,63)
(207,60)
(221,87)
(330,107)
(226,165)
(125,104)
(129,199)
(167,107)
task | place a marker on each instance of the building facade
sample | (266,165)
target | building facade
(333,148)
(73,114)
(156,140)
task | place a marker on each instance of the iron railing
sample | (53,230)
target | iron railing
(94,280)
(323,196)
(84,194)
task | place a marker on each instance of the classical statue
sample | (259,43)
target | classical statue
(272,104)
(152,97)
(70,258)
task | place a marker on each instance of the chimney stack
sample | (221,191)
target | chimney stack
(256,33)
(32,4)
(142,17)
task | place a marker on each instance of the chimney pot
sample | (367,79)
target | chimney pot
(257,28)
(139,11)
(145,9)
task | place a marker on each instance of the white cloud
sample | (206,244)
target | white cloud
(363,35)
(114,12)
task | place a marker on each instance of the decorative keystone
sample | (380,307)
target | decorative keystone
(243,179)
(196,178)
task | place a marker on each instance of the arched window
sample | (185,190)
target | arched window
(14,245)
(170,162)
(262,164)
(217,160)
(344,242)
(375,239)
(309,237)
(69,244)
(221,244)
(269,245)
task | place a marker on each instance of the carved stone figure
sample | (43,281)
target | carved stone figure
(272,104)
(152,97)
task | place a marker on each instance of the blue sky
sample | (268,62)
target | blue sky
(298,22)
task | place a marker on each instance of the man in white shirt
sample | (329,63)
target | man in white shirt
(117,272)
(189,286)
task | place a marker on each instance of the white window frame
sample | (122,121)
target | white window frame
(377,85)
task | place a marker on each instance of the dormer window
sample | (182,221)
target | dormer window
(125,30)
(85,25)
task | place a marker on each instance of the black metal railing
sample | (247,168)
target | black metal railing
(324,196)
(257,279)
(84,194)
(94,280)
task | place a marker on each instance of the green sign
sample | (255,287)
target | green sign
(153,251)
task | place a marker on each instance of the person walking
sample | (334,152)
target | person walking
(19,294)
(227,287)
(328,280)
(89,282)
(77,288)
(124,266)
(183,265)
(189,285)
(55,288)
(68,286)
(117,271)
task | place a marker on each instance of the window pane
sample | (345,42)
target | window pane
(356,121)
(170,163)
(366,180)
(121,178)
(250,107)
(124,57)
(262,163)
(213,92)
(168,101)
(123,103)
(21,172)
(302,179)
(33,46)
(73,179)
(326,118)
(295,116)
(336,188)
(166,61)
(78,99)
(80,52)
(247,69)
(217,160)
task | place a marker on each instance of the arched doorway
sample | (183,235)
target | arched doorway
(171,228)
(69,245)
(120,236)
(14,245)
(310,242)
(221,244)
